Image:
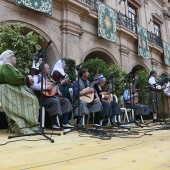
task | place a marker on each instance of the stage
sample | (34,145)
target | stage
(72,152)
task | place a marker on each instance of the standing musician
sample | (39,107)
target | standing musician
(167,93)
(110,109)
(79,90)
(131,101)
(53,105)
(155,97)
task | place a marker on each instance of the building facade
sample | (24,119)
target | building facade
(73,29)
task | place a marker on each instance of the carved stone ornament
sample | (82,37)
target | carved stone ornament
(157,16)
(145,1)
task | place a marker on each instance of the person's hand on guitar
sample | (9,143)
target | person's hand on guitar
(31,81)
(106,96)
(89,91)
(50,86)
(96,100)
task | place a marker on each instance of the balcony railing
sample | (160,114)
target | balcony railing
(127,22)
(92,4)
(153,38)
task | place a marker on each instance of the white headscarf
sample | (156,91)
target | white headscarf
(5,56)
(59,67)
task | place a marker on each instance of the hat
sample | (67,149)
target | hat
(4,57)
(153,72)
(6,54)
(102,79)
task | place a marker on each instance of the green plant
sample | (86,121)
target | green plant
(142,82)
(22,43)
(98,66)
(70,69)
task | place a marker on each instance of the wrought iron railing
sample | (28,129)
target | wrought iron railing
(153,38)
(127,22)
(92,4)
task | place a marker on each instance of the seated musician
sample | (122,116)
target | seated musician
(155,97)
(53,105)
(18,102)
(94,107)
(59,74)
(131,101)
(110,109)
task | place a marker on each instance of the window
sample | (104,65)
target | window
(132,17)
(157,29)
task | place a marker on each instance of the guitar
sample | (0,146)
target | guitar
(107,93)
(52,92)
(88,98)
(134,99)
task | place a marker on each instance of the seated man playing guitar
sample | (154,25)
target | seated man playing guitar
(88,98)
(53,105)
(131,101)
(111,109)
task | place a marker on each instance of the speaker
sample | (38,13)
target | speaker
(3,121)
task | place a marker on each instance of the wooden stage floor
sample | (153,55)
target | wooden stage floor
(72,152)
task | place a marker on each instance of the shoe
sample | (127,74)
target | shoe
(115,123)
(96,125)
(55,127)
(67,126)
(157,120)
(118,123)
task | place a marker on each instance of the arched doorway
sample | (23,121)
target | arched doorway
(102,54)
(52,53)
(138,67)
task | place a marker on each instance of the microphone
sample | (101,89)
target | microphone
(49,42)
(112,73)
(77,67)
(35,59)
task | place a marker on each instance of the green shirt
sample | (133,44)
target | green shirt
(10,75)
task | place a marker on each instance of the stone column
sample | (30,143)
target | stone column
(124,57)
(154,64)
(166,15)
(71,31)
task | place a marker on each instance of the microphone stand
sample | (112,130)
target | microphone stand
(41,129)
(130,79)
(79,126)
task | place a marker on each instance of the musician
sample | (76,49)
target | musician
(167,93)
(110,109)
(58,73)
(53,105)
(35,67)
(155,97)
(128,97)
(85,109)
(19,104)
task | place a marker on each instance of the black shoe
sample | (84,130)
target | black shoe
(115,123)
(157,120)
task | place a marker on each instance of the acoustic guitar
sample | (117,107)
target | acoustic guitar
(107,93)
(88,98)
(134,99)
(52,92)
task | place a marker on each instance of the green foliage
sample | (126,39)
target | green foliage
(119,78)
(70,69)
(13,37)
(142,82)
(98,66)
